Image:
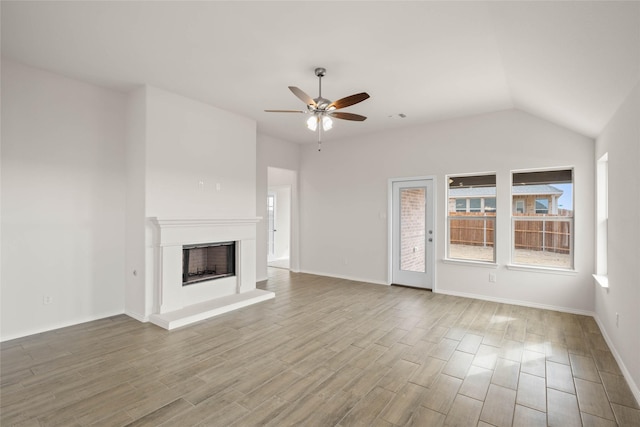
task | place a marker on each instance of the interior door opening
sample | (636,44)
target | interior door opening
(271,213)
(279,226)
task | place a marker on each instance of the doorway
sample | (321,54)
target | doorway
(279,226)
(412,233)
(271,226)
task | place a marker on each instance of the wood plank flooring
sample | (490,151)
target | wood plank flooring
(325,352)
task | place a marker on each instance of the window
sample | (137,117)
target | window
(475,205)
(542,206)
(542,219)
(602,218)
(490,204)
(483,204)
(471,218)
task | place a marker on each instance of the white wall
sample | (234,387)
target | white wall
(186,160)
(272,152)
(344,202)
(63,201)
(135,274)
(191,148)
(621,139)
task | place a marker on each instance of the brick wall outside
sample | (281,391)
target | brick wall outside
(412,229)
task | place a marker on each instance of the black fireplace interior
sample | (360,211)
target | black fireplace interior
(208,261)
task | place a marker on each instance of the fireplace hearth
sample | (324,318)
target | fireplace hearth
(209,261)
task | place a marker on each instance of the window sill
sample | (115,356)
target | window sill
(603,281)
(550,270)
(485,264)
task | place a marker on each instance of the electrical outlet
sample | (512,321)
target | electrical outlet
(492,277)
(46,300)
(617,319)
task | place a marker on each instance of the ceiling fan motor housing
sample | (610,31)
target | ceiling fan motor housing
(322,103)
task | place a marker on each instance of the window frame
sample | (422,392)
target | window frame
(491,217)
(544,218)
(602,221)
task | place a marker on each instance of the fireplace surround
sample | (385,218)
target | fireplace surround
(177,305)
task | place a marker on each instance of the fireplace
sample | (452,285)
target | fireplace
(208,261)
(175,304)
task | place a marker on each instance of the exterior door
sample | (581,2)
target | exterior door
(412,233)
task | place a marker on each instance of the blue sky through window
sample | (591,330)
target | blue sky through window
(566,200)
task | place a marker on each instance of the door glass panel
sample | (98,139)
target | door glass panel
(412,229)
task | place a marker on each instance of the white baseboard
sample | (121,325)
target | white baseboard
(137,316)
(337,276)
(515,302)
(625,372)
(58,325)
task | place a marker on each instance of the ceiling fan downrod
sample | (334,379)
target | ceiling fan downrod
(320,73)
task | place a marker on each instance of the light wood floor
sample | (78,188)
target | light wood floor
(325,352)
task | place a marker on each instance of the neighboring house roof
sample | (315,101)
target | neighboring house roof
(535,189)
(472,192)
(521,190)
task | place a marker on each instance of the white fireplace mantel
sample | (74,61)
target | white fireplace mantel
(177,305)
(184,231)
(196,222)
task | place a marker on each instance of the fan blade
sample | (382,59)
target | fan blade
(349,100)
(348,116)
(283,111)
(303,96)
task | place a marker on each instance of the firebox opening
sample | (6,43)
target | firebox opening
(208,261)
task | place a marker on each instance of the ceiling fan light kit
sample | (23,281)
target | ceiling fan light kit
(323,110)
(313,121)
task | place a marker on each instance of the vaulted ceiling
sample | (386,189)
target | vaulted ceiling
(570,62)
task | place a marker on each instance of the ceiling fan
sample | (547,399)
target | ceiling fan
(323,110)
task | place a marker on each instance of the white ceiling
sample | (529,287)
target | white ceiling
(569,62)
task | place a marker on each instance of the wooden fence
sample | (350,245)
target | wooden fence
(544,235)
(539,235)
(472,232)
